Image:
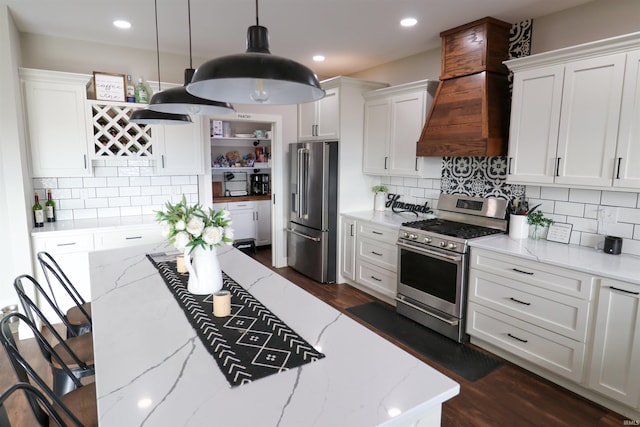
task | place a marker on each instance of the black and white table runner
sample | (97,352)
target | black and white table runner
(249,344)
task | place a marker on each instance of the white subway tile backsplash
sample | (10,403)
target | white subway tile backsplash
(179,180)
(140,181)
(151,209)
(554,193)
(118,181)
(129,171)
(147,171)
(141,200)
(616,229)
(62,215)
(107,192)
(94,182)
(416,192)
(583,224)
(70,204)
(106,171)
(189,188)
(85,213)
(69,182)
(45,183)
(131,191)
(397,180)
(159,199)
(63,193)
(618,198)
(96,203)
(584,196)
(130,210)
(160,180)
(119,201)
(591,211)
(411,182)
(567,208)
(150,191)
(108,212)
(629,215)
(139,162)
(115,161)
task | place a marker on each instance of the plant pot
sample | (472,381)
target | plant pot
(379,200)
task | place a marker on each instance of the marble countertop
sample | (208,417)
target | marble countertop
(152,369)
(386,217)
(95,224)
(623,267)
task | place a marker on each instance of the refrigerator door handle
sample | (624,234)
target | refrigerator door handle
(297,233)
(303,182)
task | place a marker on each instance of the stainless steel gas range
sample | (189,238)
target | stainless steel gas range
(433,261)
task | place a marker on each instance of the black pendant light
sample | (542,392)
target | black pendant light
(144,116)
(256,77)
(178,100)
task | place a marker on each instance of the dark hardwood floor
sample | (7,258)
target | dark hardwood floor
(509,396)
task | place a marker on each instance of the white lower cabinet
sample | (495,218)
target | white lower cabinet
(251,220)
(126,238)
(348,248)
(369,257)
(535,311)
(615,360)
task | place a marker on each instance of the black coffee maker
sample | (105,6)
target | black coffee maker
(260,184)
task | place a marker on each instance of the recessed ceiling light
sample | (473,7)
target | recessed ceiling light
(408,22)
(122,24)
(318,58)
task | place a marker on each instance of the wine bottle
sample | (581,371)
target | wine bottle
(50,208)
(141,92)
(131,90)
(38,213)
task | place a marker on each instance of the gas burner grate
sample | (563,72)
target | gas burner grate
(451,228)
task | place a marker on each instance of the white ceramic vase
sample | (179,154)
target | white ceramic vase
(205,276)
(379,200)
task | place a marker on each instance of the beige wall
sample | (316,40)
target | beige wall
(592,21)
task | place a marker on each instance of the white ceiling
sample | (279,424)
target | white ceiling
(354,35)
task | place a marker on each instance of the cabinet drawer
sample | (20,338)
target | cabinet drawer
(378,253)
(552,311)
(127,238)
(377,232)
(551,351)
(66,244)
(239,206)
(568,282)
(376,278)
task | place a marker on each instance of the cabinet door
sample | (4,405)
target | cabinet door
(590,115)
(328,110)
(179,148)
(628,154)
(615,362)
(348,249)
(243,219)
(57,124)
(376,137)
(535,121)
(263,222)
(307,120)
(407,119)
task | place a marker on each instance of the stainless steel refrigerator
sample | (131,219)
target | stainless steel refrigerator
(313,217)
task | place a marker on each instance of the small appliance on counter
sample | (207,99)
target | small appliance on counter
(235,184)
(260,184)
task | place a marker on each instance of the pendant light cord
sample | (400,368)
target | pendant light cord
(257,22)
(189,15)
(157,45)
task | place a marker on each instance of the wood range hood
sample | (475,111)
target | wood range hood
(469,115)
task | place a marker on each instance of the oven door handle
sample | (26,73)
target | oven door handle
(454,258)
(428,313)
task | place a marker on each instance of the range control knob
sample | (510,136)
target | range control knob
(451,246)
(443,243)
(405,234)
(413,236)
(428,240)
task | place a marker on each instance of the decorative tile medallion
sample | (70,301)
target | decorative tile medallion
(478,177)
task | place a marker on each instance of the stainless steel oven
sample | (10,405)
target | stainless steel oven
(433,261)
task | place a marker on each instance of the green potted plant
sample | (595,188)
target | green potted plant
(539,223)
(379,197)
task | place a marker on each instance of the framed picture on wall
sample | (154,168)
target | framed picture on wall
(109,86)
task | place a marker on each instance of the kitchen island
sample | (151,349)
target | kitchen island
(152,369)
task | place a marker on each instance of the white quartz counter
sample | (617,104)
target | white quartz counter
(386,217)
(582,258)
(96,224)
(152,369)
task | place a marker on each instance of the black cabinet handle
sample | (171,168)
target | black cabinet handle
(613,288)
(519,302)
(351,225)
(618,168)
(509,166)
(133,238)
(517,339)
(523,272)
(385,162)
(558,166)
(66,244)
(376,279)
(376,253)
(377,232)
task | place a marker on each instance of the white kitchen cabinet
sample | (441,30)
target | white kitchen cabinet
(251,220)
(57,123)
(320,119)
(537,312)
(179,148)
(394,118)
(114,239)
(348,248)
(615,361)
(573,112)
(71,252)
(263,222)
(628,149)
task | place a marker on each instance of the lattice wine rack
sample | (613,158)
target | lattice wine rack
(114,135)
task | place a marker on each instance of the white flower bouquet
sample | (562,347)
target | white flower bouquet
(190,226)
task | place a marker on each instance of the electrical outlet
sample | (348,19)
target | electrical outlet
(608,214)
